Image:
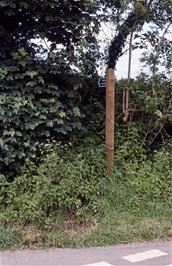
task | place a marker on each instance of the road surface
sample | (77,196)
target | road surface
(154,253)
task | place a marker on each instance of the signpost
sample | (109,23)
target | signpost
(110,118)
(102,83)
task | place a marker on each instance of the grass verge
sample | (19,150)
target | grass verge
(114,228)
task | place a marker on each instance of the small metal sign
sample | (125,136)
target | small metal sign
(102,83)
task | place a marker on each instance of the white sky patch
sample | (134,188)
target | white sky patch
(105,36)
(107,33)
(122,65)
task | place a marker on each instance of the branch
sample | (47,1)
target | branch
(159,131)
(134,19)
(150,2)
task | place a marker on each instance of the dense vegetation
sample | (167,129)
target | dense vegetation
(54,189)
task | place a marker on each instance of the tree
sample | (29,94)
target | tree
(40,44)
(61,22)
(133,15)
(128,19)
(43,47)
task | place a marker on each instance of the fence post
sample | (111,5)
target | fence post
(110,119)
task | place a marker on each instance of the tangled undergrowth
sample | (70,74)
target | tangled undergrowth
(68,200)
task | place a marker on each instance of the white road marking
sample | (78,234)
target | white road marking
(99,264)
(150,254)
(169,265)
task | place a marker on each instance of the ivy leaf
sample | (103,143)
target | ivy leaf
(22,52)
(30,84)
(76,112)
(50,123)
(1,143)
(62,114)
(32,73)
(24,4)
(4,3)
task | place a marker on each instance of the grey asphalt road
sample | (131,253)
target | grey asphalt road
(154,253)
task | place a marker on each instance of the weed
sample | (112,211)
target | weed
(68,201)
(10,238)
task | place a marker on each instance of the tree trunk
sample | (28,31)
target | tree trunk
(133,20)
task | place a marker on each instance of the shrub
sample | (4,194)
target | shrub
(37,102)
(144,184)
(71,182)
(68,181)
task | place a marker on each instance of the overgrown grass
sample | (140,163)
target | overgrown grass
(68,201)
(114,228)
(10,238)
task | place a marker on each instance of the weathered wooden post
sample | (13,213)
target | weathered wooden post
(110,118)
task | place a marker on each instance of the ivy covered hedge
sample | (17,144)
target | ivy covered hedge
(36,102)
(41,42)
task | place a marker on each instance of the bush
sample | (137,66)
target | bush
(144,184)
(68,181)
(71,183)
(37,102)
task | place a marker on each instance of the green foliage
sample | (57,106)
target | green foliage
(36,103)
(10,238)
(39,96)
(146,184)
(150,114)
(43,99)
(59,22)
(138,13)
(149,121)
(67,181)
(69,189)
(158,57)
(74,183)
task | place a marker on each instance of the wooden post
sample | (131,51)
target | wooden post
(110,117)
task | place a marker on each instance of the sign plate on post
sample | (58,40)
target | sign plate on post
(102,83)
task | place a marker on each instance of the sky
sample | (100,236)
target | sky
(107,34)
(122,64)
